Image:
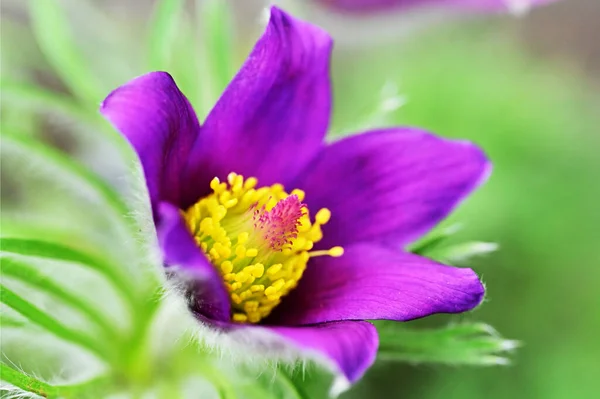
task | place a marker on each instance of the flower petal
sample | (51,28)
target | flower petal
(161,125)
(391,185)
(350,345)
(182,256)
(372,282)
(272,118)
(346,347)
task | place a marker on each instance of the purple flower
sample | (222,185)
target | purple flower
(467,5)
(279,234)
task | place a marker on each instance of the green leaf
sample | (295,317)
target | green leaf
(209,64)
(378,113)
(301,381)
(9,321)
(45,100)
(171,47)
(460,254)
(25,382)
(162,33)
(461,344)
(433,240)
(23,226)
(49,250)
(39,317)
(268,383)
(33,385)
(215,52)
(24,272)
(433,246)
(217,30)
(221,382)
(307,382)
(67,170)
(51,30)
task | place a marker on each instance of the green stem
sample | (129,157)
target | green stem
(47,100)
(44,249)
(213,53)
(50,27)
(31,275)
(136,361)
(220,382)
(292,388)
(37,316)
(41,388)
(164,26)
(72,168)
(26,382)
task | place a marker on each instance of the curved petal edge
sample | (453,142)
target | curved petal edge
(346,348)
(202,282)
(161,125)
(390,186)
(371,282)
(272,118)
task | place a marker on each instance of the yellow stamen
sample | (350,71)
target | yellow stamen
(335,252)
(259,239)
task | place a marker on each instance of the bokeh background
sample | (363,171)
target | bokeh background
(525,89)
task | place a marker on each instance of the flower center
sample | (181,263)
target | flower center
(260,240)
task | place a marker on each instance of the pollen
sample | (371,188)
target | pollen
(259,239)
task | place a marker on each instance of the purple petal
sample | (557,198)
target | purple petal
(371,282)
(473,5)
(391,185)
(161,125)
(272,118)
(204,284)
(350,345)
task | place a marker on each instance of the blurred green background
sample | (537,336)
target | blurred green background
(538,119)
(526,90)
